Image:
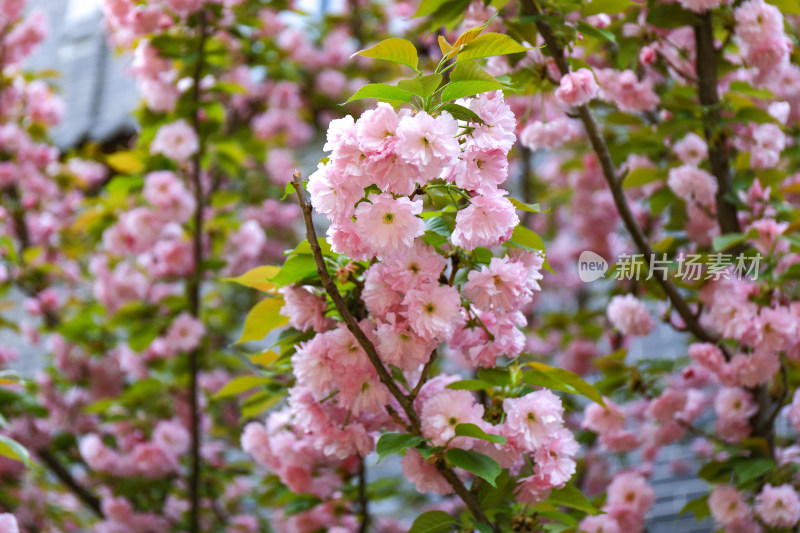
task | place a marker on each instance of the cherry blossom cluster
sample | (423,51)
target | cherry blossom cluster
(372,188)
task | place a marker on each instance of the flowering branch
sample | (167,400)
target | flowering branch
(405,402)
(615,182)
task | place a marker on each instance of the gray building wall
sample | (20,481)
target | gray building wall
(98,94)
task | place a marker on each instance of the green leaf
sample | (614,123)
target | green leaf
(264,359)
(14,450)
(571,497)
(422,86)
(464,89)
(395,50)
(391,443)
(256,404)
(432,522)
(723,242)
(305,248)
(530,208)
(262,319)
(287,191)
(493,497)
(668,16)
(469,384)
(787,7)
(470,71)
(745,88)
(488,45)
(381,91)
(699,507)
(479,464)
(642,176)
(750,468)
(462,113)
(426,7)
(471,430)
(560,379)
(609,7)
(257,278)
(597,33)
(526,238)
(125,162)
(296,268)
(482,528)
(499,377)
(439,226)
(240,384)
(449,15)
(753,114)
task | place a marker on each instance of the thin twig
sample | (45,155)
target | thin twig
(423,377)
(405,402)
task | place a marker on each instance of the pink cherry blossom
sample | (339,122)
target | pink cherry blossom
(487,221)
(304,308)
(424,475)
(778,506)
(601,419)
(691,150)
(428,141)
(444,411)
(8,523)
(693,184)
(499,285)
(389,225)
(176,140)
(533,419)
(434,311)
(629,315)
(185,333)
(577,88)
(727,505)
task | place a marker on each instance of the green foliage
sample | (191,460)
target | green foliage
(391,443)
(560,379)
(471,430)
(262,319)
(383,92)
(395,50)
(432,522)
(14,450)
(479,464)
(609,7)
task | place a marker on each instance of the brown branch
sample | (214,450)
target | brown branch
(615,183)
(60,471)
(193,286)
(715,135)
(363,500)
(405,402)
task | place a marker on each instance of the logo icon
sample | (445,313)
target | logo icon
(591,266)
